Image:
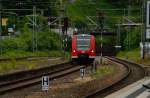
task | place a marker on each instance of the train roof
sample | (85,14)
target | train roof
(83,35)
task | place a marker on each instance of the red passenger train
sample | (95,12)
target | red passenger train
(83,48)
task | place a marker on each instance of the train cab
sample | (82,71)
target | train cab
(83,48)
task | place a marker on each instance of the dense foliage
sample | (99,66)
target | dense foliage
(132,39)
(46,40)
(48,6)
(78,13)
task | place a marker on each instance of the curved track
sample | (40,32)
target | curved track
(135,73)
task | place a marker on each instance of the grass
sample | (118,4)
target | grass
(6,66)
(19,54)
(104,70)
(13,65)
(134,55)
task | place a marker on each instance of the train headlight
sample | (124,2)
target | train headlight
(74,51)
(92,51)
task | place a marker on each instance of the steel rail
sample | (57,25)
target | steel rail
(102,92)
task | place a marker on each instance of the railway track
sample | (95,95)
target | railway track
(32,73)
(23,58)
(135,73)
(33,77)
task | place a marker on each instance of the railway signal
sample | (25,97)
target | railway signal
(65,42)
(65,26)
(66,20)
(101,19)
(101,22)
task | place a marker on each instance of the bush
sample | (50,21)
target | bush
(22,44)
(48,41)
(133,39)
(13,44)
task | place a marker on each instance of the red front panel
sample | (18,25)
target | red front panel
(74,49)
(90,51)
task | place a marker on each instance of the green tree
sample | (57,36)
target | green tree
(132,40)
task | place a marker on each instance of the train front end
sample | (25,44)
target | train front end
(83,48)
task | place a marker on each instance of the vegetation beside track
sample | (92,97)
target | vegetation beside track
(21,65)
(20,54)
(48,44)
(134,55)
(78,13)
(45,41)
(104,70)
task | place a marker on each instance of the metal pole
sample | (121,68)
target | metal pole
(124,14)
(142,20)
(35,28)
(129,10)
(1,26)
(144,26)
(128,38)
(142,32)
(42,13)
(119,35)
(0,19)
(129,13)
(33,34)
(101,55)
(101,48)
(60,17)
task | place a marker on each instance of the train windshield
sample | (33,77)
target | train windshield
(83,42)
